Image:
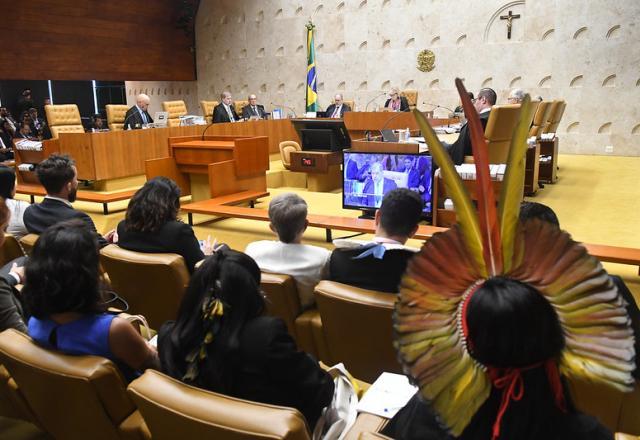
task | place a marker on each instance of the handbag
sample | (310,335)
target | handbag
(337,418)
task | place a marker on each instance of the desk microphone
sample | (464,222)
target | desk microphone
(435,106)
(208,126)
(285,106)
(124,124)
(377,96)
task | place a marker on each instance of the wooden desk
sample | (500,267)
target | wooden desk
(277,130)
(532,170)
(548,169)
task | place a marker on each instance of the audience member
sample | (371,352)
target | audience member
(59,176)
(516,96)
(37,124)
(138,116)
(305,263)
(396,102)
(379,264)
(222,342)
(25,101)
(98,123)
(63,295)
(6,141)
(16,225)
(225,111)
(253,109)
(6,116)
(151,223)
(24,132)
(11,312)
(337,109)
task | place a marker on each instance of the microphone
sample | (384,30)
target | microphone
(124,125)
(386,124)
(435,106)
(377,96)
(208,126)
(285,106)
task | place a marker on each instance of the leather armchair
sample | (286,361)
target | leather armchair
(540,119)
(207,109)
(239,105)
(175,109)
(412,97)
(351,103)
(555,116)
(358,328)
(72,397)
(12,402)
(502,121)
(172,409)
(28,242)
(63,119)
(286,148)
(115,116)
(10,249)
(152,284)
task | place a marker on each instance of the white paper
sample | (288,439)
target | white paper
(388,395)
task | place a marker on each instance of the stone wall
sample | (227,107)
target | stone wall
(584,51)
(160,91)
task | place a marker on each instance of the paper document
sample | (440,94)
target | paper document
(388,395)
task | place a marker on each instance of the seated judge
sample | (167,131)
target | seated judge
(225,111)
(380,263)
(376,186)
(337,109)
(396,102)
(253,109)
(462,146)
(516,96)
(137,116)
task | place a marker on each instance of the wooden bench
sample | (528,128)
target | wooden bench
(210,205)
(85,196)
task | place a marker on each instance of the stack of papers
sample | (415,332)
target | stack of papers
(467,171)
(26,144)
(388,395)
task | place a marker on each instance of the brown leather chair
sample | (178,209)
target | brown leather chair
(115,116)
(555,116)
(172,409)
(239,105)
(502,121)
(351,103)
(175,109)
(152,284)
(621,436)
(540,119)
(207,109)
(63,119)
(12,402)
(358,328)
(10,249)
(72,397)
(28,242)
(286,148)
(412,97)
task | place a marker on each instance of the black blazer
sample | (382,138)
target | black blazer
(173,237)
(247,111)
(404,104)
(369,272)
(133,119)
(332,108)
(40,216)
(462,146)
(220,114)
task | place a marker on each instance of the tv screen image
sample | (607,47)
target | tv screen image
(367,177)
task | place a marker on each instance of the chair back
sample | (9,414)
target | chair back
(152,284)
(556,117)
(175,109)
(351,103)
(115,116)
(28,242)
(540,119)
(286,148)
(412,97)
(358,328)
(172,409)
(63,118)
(72,397)
(207,109)
(239,105)
(10,249)
(282,299)
(502,121)
(12,403)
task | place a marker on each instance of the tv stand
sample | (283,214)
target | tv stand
(368,214)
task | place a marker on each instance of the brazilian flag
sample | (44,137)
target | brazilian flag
(312,95)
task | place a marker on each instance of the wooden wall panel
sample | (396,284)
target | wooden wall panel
(88,39)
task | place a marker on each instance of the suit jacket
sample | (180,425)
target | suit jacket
(173,237)
(332,108)
(462,146)
(369,190)
(11,313)
(40,216)
(247,111)
(404,104)
(413,180)
(221,115)
(133,119)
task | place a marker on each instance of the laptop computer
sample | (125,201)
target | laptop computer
(160,119)
(389,136)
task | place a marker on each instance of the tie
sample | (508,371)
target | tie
(144,118)
(336,112)
(255,110)
(230,114)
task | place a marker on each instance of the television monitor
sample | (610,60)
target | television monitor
(322,134)
(367,177)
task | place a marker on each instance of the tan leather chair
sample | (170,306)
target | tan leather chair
(286,148)
(115,116)
(412,97)
(175,109)
(10,249)
(621,436)
(172,409)
(28,242)
(540,119)
(555,116)
(351,103)
(358,328)
(372,436)
(12,402)
(239,105)
(72,397)
(63,119)
(502,121)
(207,109)
(152,284)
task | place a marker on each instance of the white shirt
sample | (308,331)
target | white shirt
(306,264)
(66,202)
(16,225)
(228,108)
(336,112)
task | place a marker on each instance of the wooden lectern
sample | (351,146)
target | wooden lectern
(215,166)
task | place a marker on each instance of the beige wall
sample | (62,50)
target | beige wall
(160,91)
(585,51)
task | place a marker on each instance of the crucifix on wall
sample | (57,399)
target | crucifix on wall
(509,19)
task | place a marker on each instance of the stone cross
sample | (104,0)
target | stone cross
(509,19)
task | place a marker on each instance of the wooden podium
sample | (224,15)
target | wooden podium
(214,167)
(322,167)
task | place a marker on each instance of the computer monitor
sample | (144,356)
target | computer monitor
(322,134)
(367,177)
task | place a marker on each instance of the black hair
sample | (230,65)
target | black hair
(400,211)
(55,171)
(489,95)
(153,205)
(529,210)
(234,279)
(7,181)
(62,272)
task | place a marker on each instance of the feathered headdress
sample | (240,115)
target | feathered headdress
(487,242)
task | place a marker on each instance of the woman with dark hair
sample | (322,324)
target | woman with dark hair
(151,223)
(11,313)
(16,225)
(62,294)
(223,343)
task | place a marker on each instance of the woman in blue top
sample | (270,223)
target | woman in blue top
(63,296)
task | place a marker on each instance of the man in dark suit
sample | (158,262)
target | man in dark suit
(337,109)
(137,116)
(462,146)
(376,186)
(59,176)
(413,175)
(253,109)
(225,112)
(379,264)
